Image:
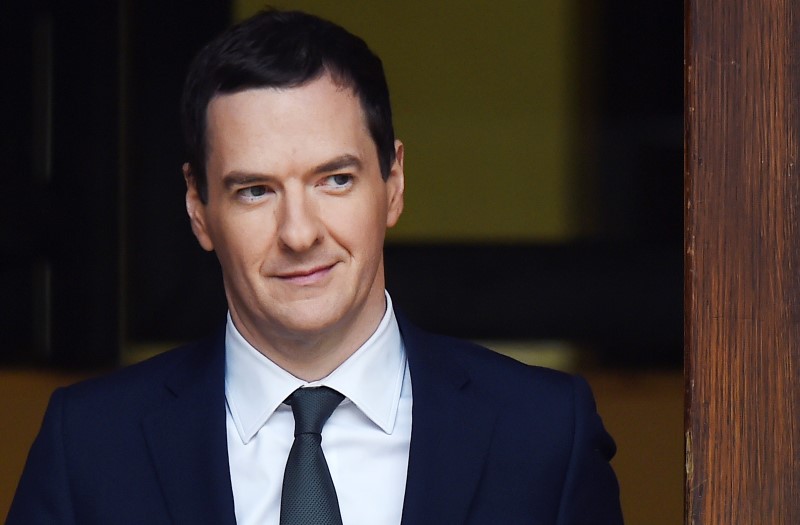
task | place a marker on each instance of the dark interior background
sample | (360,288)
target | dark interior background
(96,253)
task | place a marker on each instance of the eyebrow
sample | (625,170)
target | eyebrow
(244,178)
(339,163)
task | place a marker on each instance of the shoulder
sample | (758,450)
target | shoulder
(561,401)
(493,373)
(482,361)
(508,380)
(138,387)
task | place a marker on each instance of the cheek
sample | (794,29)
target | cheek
(368,242)
(242,240)
(359,227)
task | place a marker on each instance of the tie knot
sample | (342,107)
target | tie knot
(312,407)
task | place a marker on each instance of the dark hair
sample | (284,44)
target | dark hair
(284,49)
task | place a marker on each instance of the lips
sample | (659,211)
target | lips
(306,276)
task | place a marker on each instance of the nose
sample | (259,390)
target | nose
(299,227)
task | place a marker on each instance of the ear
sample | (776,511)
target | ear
(395,186)
(196,209)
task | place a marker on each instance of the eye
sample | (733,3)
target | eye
(252,193)
(339,181)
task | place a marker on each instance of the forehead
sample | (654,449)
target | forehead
(318,100)
(316,119)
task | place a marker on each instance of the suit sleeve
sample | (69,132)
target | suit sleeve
(43,494)
(591,493)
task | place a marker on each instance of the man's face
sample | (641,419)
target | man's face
(297,212)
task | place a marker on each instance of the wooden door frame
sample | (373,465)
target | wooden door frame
(742,262)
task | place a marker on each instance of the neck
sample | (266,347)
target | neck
(313,356)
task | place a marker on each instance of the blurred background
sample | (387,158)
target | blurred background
(543,208)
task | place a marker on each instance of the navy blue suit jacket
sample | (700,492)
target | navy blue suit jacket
(493,442)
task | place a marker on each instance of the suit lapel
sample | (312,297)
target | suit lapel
(451,431)
(187,439)
(450,435)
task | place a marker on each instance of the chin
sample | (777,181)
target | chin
(309,320)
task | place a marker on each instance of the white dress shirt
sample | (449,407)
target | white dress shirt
(365,441)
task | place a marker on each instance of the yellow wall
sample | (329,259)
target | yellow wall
(23,399)
(484,104)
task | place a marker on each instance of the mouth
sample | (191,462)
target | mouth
(306,276)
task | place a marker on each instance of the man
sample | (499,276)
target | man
(293,177)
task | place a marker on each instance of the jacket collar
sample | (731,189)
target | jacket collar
(186,436)
(451,429)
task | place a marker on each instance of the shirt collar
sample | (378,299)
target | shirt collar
(371,378)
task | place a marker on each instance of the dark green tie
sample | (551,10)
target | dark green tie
(308,496)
